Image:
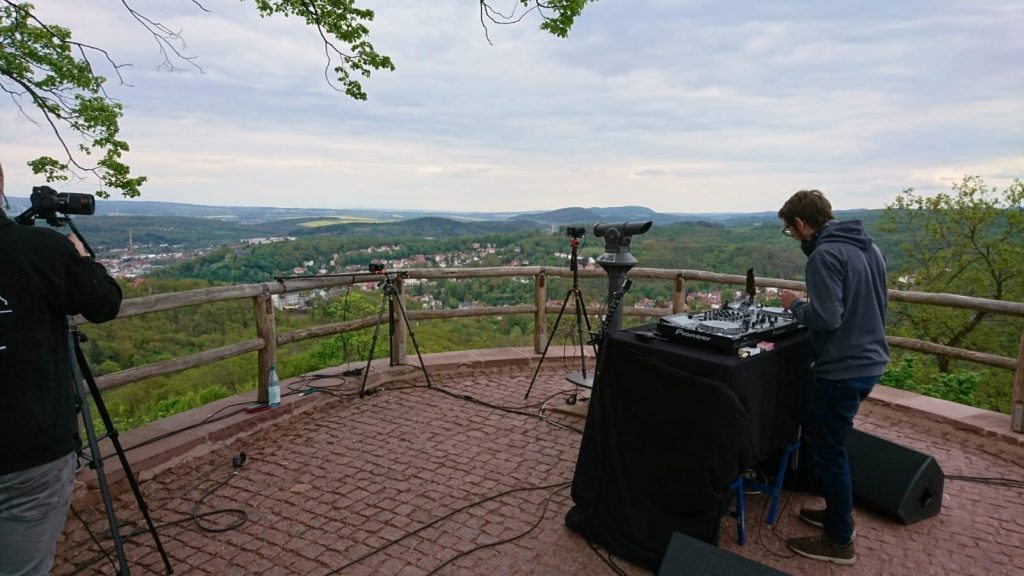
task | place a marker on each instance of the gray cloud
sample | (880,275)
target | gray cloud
(681,106)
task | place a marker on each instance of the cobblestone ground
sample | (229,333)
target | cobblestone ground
(980,530)
(413,481)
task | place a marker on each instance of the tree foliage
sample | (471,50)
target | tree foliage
(968,242)
(43,69)
(38,64)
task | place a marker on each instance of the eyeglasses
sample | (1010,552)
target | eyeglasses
(788,230)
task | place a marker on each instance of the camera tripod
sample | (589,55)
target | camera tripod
(576,295)
(83,386)
(82,376)
(389,296)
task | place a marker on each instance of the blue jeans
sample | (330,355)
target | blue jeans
(33,505)
(834,403)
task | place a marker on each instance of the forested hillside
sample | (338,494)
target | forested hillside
(724,245)
(729,248)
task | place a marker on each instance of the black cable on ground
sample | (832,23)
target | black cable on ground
(543,513)
(471,399)
(989,480)
(608,561)
(241,517)
(778,520)
(380,549)
(96,541)
(329,389)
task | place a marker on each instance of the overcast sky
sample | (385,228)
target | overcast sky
(681,106)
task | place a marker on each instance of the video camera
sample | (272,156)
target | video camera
(575,231)
(47,202)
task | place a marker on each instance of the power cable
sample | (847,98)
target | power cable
(991,481)
(380,549)
(608,561)
(241,517)
(543,513)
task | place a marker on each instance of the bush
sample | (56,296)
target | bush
(901,374)
(958,386)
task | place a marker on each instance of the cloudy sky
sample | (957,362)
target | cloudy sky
(681,106)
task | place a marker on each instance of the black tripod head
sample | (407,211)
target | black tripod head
(387,282)
(575,233)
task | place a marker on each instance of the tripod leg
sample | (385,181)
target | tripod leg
(373,344)
(581,310)
(548,343)
(415,345)
(101,408)
(96,460)
(586,317)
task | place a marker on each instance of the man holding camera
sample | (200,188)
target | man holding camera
(845,314)
(44,277)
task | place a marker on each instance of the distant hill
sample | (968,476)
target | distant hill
(432,227)
(589,216)
(562,217)
(171,225)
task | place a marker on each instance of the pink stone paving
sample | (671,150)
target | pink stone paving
(415,481)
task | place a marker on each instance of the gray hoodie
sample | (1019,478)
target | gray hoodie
(845,276)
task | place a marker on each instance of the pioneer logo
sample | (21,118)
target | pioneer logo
(688,334)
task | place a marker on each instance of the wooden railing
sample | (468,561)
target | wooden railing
(267,339)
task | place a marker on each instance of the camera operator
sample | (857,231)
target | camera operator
(44,278)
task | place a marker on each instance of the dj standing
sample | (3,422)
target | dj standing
(44,277)
(845,314)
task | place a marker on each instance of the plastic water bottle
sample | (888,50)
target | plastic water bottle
(274,388)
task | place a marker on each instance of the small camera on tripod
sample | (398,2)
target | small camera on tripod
(376,267)
(575,231)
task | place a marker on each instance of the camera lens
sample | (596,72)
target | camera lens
(74,203)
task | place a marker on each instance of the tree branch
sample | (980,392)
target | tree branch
(165,39)
(38,100)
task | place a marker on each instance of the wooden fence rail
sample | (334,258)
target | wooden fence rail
(267,339)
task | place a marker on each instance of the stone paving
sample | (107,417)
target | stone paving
(415,481)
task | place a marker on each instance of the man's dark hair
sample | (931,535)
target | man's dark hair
(811,206)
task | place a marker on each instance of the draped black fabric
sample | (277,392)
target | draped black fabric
(669,428)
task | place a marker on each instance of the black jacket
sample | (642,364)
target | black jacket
(43,279)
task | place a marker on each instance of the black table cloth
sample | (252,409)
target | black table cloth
(669,427)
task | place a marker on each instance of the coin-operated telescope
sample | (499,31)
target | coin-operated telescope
(617,259)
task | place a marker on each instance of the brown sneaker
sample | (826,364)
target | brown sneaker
(819,548)
(817,518)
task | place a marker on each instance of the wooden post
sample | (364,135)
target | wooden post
(396,319)
(679,295)
(1017,407)
(540,318)
(266,331)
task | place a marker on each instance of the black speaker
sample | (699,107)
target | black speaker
(898,482)
(688,556)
